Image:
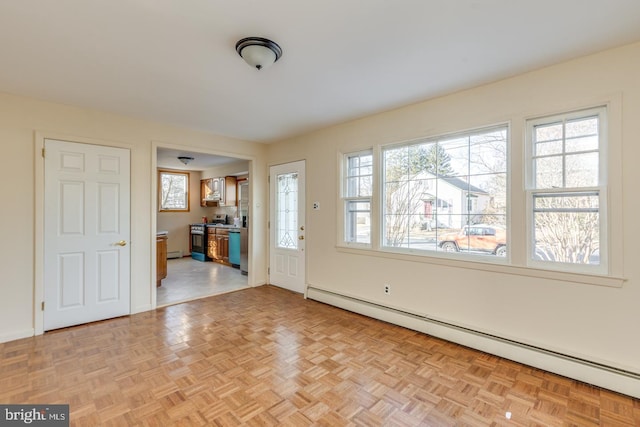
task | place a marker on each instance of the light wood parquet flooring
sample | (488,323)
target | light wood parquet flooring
(265,357)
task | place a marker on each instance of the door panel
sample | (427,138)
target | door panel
(86,233)
(71,280)
(287,230)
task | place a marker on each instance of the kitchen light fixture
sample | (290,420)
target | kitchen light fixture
(185,159)
(258,52)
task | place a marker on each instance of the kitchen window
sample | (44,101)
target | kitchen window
(173,188)
(357,191)
(566,189)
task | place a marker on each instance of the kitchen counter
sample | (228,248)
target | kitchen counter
(211,224)
(232,228)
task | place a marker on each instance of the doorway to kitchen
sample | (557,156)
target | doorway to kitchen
(188,273)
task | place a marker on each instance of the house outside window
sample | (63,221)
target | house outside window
(357,191)
(173,187)
(566,183)
(436,190)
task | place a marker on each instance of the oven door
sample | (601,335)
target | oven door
(198,245)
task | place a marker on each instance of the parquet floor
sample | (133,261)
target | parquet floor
(265,356)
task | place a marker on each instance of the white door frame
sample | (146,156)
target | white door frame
(299,235)
(38,288)
(254,206)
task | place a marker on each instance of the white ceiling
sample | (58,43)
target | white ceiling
(168,158)
(175,61)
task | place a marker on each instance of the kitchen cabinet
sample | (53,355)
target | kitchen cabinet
(218,244)
(230,183)
(219,191)
(161,258)
(211,191)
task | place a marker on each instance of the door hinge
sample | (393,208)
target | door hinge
(268,271)
(269,179)
(42,151)
(268,224)
(42,306)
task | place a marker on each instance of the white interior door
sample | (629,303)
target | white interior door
(287,229)
(86,233)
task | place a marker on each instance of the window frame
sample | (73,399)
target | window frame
(462,256)
(531,192)
(348,199)
(187,193)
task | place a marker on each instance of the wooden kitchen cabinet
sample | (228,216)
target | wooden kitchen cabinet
(222,241)
(211,191)
(219,191)
(161,258)
(230,184)
(205,191)
(218,244)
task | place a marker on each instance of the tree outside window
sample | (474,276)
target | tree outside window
(173,187)
(357,193)
(436,188)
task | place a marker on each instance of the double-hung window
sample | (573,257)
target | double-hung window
(447,194)
(566,182)
(357,191)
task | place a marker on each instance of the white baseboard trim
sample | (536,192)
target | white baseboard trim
(583,370)
(27,333)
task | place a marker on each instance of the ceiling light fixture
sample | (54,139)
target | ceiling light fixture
(258,52)
(185,159)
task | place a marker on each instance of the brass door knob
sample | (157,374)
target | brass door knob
(122,243)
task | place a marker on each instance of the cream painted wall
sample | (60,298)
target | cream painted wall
(591,321)
(22,122)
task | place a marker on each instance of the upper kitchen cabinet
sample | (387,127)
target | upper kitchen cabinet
(229,198)
(219,191)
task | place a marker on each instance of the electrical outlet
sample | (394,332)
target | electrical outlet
(316,206)
(387,289)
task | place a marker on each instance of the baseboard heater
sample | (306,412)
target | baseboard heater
(598,374)
(174,254)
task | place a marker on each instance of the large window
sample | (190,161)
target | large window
(357,191)
(566,189)
(447,194)
(173,187)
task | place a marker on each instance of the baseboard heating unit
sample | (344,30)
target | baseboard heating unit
(174,254)
(598,374)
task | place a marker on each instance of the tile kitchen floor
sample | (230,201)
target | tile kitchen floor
(188,279)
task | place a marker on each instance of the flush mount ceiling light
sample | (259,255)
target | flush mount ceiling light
(185,159)
(258,52)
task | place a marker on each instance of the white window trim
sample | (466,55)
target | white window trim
(603,268)
(516,125)
(460,256)
(344,200)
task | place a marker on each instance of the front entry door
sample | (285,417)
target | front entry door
(86,233)
(287,219)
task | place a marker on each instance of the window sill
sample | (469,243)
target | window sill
(582,278)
